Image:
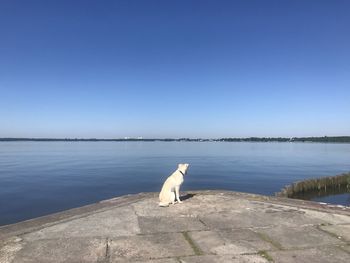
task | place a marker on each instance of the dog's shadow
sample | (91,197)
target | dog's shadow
(187,196)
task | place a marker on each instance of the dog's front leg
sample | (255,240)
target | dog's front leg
(177,190)
(172,197)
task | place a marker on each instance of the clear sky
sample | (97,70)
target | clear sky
(210,69)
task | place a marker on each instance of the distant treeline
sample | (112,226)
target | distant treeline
(338,139)
(323,139)
(334,139)
(96,140)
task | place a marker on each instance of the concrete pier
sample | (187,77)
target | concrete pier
(209,226)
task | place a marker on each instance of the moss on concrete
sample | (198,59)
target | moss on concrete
(195,248)
(268,239)
(265,255)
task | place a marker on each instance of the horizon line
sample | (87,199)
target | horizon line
(181,138)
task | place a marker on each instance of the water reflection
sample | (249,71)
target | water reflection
(337,195)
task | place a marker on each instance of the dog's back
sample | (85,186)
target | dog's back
(167,194)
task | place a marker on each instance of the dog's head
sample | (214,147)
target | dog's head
(183,167)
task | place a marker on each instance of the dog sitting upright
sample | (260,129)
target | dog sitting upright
(172,186)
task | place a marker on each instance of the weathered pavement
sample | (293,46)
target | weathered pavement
(209,226)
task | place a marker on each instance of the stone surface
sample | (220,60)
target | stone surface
(345,248)
(147,247)
(324,254)
(340,231)
(209,226)
(62,250)
(230,242)
(224,259)
(119,221)
(169,224)
(299,237)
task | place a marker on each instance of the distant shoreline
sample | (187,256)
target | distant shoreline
(325,139)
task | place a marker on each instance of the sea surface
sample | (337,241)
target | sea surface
(39,178)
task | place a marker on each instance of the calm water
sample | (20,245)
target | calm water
(38,178)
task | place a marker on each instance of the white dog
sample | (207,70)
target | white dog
(172,186)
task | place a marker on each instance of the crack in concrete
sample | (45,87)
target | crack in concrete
(343,249)
(108,252)
(269,240)
(200,220)
(331,234)
(195,248)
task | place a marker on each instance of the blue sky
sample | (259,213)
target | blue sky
(210,69)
